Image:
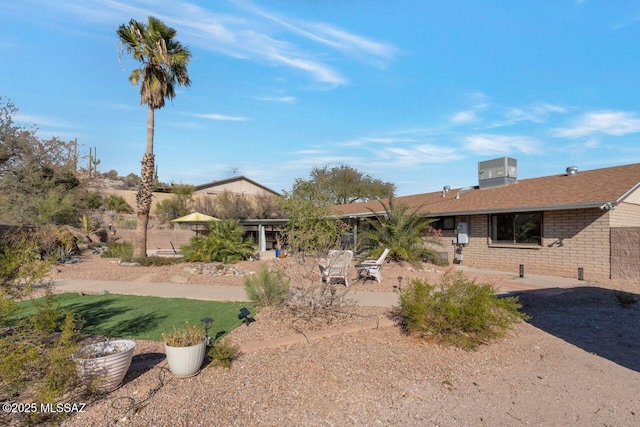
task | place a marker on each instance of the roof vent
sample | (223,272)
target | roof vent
(497,172)
(572,170)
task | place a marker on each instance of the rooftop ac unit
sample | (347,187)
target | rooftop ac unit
(497,172)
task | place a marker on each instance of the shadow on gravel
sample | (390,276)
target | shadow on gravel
(600,321)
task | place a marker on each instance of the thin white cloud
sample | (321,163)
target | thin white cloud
(319,160)
(40,121)
(416,155)
(616,123)
(251,32)
(536,113)
(464,117)
(276,98)
(375,140)
(187,125)
(350,44)
(501,144)
(221,117)
(311,151)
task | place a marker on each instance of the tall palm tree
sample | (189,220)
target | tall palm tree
(163,65)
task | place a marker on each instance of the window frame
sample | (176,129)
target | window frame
(444,223)
(514,217)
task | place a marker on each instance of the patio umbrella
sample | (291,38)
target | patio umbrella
(196,219)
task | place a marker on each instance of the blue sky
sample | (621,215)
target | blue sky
(408,91)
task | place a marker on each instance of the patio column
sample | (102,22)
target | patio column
(262,238)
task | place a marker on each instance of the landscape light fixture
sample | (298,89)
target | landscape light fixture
(399,283)
(206,324)
(244,316)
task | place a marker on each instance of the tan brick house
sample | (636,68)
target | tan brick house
(581,224)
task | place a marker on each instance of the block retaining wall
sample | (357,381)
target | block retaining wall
(625,253)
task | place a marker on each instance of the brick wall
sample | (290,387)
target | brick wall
(571,239)
(625,215)
(625,253)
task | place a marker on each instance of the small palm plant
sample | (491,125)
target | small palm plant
(403,231)
(225,243)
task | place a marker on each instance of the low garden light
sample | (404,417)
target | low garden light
(206,324)
(399,283)
(244,316)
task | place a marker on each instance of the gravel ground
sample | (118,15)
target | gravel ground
(575,362)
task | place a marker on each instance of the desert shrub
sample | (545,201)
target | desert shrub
(184,336)
(117,204)
(434,258)
(320,304)
(128,224)
(92,200)
(458,311)
(267,288)
(122,250)
(224,243)
(232,206)
(56,244)
(222,353)
(176,206)
(156,261)
(35,350)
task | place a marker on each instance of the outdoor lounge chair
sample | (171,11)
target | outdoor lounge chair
(337,266)
(370,268)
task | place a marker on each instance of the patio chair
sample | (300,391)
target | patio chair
(370,268)
(337,266)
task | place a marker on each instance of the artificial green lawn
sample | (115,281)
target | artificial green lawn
(146,318)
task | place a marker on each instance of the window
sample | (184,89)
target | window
(523,228)
(444,223)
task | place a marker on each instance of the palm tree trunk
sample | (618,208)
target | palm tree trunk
(145,193)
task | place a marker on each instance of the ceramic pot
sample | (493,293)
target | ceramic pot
(185,362)
(106,362)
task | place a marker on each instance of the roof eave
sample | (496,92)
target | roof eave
(601,204)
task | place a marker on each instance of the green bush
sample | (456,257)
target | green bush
(267,288)
(117,204)
(122,250)
(128,224)
(35,349)
(458,311)
(224,243)
(56,243)
(223,352)
(156,261)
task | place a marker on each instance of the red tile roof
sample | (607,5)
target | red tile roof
(585,189)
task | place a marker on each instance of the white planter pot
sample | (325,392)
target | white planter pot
(185,362)
(107,362)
